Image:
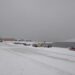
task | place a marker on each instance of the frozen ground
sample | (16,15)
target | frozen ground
(21,60)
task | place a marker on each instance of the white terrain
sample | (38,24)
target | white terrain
(28,60)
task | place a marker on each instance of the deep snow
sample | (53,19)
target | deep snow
(23,60)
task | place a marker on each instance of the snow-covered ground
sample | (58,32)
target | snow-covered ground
(24,60)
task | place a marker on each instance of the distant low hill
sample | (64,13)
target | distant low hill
(8,39)
(70,40)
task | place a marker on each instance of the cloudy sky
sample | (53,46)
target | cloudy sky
(50,20)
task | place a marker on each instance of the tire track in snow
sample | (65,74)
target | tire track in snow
(30,51)
(38,52)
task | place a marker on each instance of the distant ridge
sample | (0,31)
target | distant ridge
(70,40)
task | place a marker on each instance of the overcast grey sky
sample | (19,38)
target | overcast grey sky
(50,20)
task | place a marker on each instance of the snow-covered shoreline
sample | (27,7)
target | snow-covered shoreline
(21,60)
